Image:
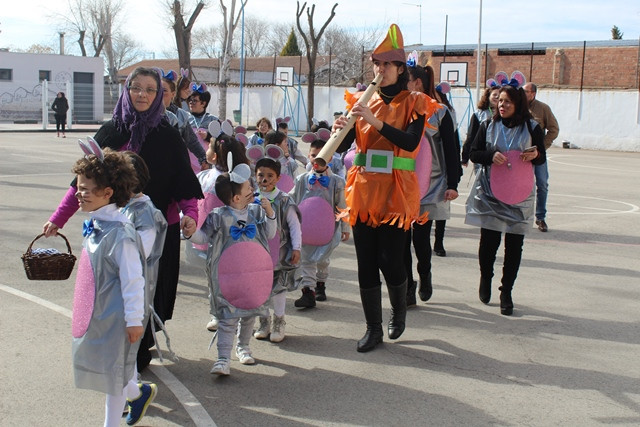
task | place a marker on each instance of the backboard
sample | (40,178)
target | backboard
(454,72)
(284,76)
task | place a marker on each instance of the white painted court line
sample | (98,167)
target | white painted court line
(193,407)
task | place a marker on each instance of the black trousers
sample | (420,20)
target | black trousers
(61,122)
(489,244)
(380,249)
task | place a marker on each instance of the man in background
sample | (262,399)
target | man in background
(542,114)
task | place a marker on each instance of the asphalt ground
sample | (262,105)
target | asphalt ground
(568,355)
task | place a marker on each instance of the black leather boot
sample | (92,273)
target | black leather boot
(484,291)
(372,305)
(426,289)
(506,302)
(398,299)
(411,293)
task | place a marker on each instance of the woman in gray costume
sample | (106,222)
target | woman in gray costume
(502,197)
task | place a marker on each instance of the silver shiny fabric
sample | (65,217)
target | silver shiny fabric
(103,358)
(483,209)
(144,216)
(217,228)
(433,202)
(283,274)
(334,195)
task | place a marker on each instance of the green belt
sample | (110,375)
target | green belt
(402,163)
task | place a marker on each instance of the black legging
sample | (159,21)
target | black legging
(489,243)
(61,122)
(379,249)
(420,235)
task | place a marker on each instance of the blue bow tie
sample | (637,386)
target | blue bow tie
(87,227)
(248,230)
(260,141)
(323,180)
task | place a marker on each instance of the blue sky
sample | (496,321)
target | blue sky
(29,22)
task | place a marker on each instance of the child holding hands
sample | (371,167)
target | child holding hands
(285,251)
(109,308)
(238,290)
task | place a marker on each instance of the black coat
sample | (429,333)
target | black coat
(60,106)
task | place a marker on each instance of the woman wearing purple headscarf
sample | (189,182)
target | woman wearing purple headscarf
(140,125)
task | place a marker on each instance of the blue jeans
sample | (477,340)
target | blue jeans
(542,188)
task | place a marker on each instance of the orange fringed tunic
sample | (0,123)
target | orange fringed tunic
(386,198)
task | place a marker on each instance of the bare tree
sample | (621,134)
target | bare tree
(345,47)
(277,37)
(183,30)
(256,32)
(105,16)
(126,51)
(207,41)
(311,42)
(230,24)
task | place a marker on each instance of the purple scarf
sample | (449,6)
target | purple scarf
(127,119)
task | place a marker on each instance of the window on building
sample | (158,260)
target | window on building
(44,75)
(6,74)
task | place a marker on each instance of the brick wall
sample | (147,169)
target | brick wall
(604,67)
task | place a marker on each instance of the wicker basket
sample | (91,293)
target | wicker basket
(46,266)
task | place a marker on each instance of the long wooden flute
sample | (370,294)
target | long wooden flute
(325,155)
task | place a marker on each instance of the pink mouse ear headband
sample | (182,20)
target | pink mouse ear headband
(322,134)
(170,75)
(184,73)
(412,60)
(282,120)
(502,79)
(91,147)
(257,152)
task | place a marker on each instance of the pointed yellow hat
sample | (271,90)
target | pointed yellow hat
(391,48)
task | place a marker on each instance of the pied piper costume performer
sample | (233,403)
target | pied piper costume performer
(103,306)
(382,191)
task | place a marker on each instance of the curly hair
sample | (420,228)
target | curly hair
(115,172)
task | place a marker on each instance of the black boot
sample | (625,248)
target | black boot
(506,302)
(411,293)
(426,289)
(484,292)
(438,246)
(398,299)
(372,306)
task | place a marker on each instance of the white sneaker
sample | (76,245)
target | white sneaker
(221,367)
(213,324)
(244,355)
(264,329)
(277,334)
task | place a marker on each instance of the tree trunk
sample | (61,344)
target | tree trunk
(81,42)
(311,89)
(182,32)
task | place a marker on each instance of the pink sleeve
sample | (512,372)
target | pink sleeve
(189,207)
(68,206)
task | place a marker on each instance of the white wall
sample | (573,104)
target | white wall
(597,120)
(21,97)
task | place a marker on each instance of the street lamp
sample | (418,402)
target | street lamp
(478,60)
(420,6)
